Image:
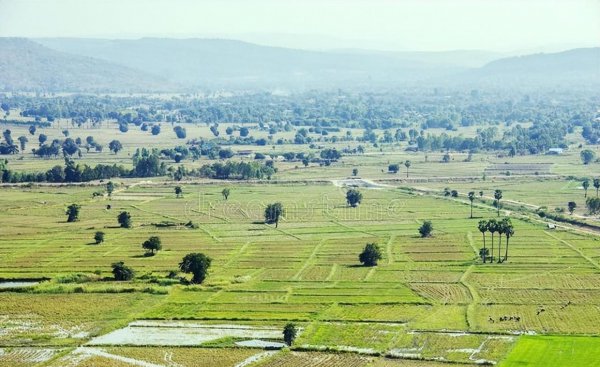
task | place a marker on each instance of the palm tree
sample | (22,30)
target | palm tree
(492,227)
(407,165)
(500,228)
(471,196)
(597,185)
(509,231)
(585,184)
(498,197)
(483,227)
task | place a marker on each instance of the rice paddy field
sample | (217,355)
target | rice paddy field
(429,302)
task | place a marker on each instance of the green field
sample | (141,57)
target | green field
(554,351)
(428,298)
(429,302)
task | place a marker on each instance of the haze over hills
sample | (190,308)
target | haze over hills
(28,66)
(159,64)
(228,63)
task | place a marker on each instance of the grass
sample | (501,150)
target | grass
(554,351)
(307,270)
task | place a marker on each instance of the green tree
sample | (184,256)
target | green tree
(498,197)
(426,229)
(587,156)
(483,228)
(593,205)
(353,197)
(509,231)
(115,146)
(110,187)
(152,244)
(225,193)
(585,184)
(73,213)
(289,333)
(394,168)
(355,172)
(596,185)
(273,212)
(484,253)
(500,228)
(99,237)
(370,255)
(407,164)
(197,264)
(571,205)
(492,228)
(178,191)
(42,138)
(471,196)
(122,272)
(124,219)
(23,142)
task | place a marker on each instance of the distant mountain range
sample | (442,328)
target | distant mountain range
(28,66)
(154,64)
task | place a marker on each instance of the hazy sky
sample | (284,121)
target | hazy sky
(498,25)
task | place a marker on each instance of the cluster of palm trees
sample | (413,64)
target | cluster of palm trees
(501,227)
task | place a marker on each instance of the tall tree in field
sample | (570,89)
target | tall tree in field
(124,220)
(483,228)
(110,187)
(115,146)
(99,237)
(593,205)
(587,156)
(73,213)
(492,228)
(471,197)
(597,185)
(370,255)
(353,197)
(122,272)
(225,193)
(273,212)
(23,142)
(571,205)
(32,129)
(178,191)
(407,164)
(498,197)
(152,244)
(197,264)
(426,229)
(289,333)
(500,228)
(509,231)
(585,184)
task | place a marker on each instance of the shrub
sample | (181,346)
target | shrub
(426,229)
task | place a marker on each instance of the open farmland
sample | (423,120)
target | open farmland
(305,200)
(429,298)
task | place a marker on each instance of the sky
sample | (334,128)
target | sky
(399,25)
